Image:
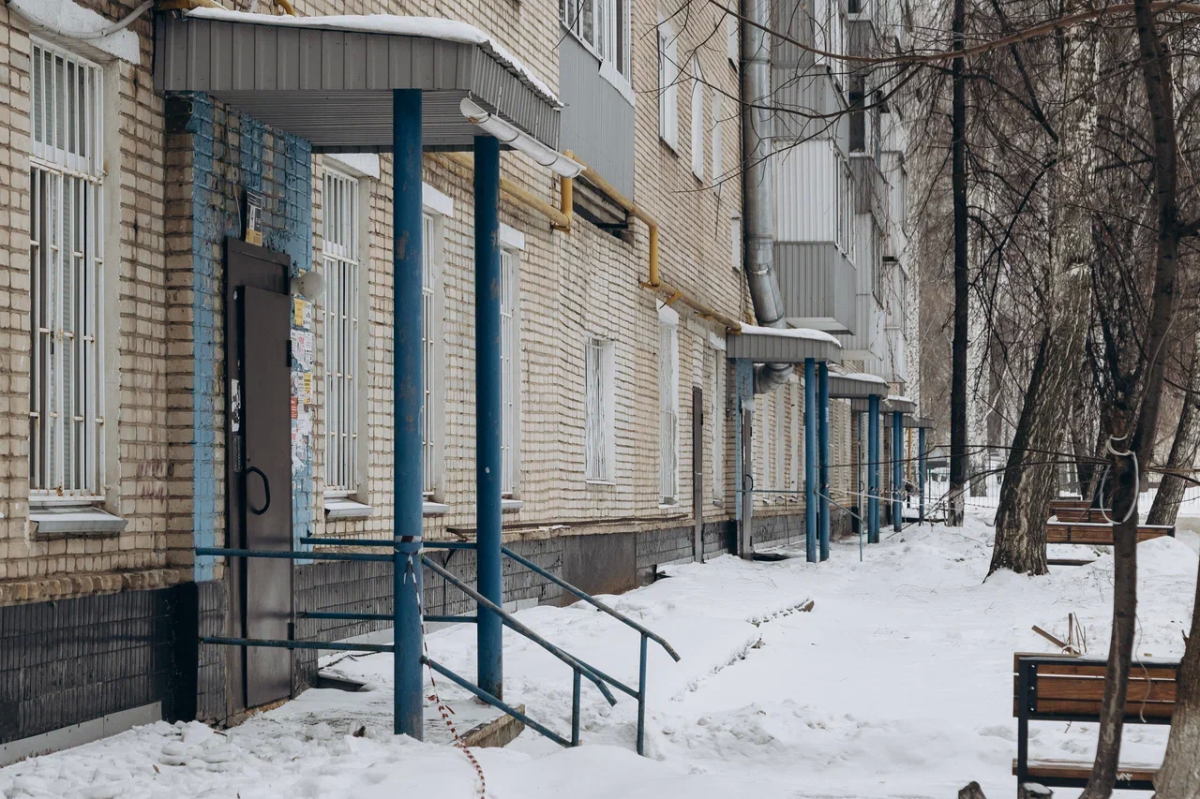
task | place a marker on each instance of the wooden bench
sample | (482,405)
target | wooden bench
(1099,534)
(1062,688)
(1093,515)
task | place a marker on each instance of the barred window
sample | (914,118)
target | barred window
(509,370)
(342,263)
(716,411)
(668,405)
(429,324)
(66,408)
(599,416)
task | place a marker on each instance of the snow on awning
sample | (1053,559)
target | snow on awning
(918,422)
(899,402)
(856,385)
(782,345)
(330,79)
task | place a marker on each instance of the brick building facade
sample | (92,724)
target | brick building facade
(116,545)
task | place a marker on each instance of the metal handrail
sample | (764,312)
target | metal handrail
(506,708)
(511,621)
(591,600)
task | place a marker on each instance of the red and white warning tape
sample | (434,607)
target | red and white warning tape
(441,706)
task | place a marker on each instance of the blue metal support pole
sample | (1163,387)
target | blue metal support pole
(873,470)
(408,395)
(897,471)
(810,460)
(488,412)
(921,470)
(823,444)
(641,721)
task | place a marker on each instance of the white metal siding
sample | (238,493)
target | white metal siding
(805,193)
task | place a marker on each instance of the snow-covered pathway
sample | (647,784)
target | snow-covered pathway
(897,683)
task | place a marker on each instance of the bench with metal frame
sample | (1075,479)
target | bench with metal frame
(1066,688)
(1099,534)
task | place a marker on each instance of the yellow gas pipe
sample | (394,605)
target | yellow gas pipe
(670,294)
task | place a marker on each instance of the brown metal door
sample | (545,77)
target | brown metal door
(267,481)
(258,460)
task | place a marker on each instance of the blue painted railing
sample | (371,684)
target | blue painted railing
(579,668)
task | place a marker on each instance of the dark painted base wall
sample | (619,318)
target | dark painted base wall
(74,660)
(65,662)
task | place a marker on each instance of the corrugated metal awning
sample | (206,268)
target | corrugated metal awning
(329,80)
(787,345)
(856,386)
(890,405)
(919,422)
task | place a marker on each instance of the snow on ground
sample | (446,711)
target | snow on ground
(897,683)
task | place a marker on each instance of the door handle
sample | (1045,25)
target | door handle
(266,490)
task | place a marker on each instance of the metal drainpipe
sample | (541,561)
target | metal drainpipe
(758,187)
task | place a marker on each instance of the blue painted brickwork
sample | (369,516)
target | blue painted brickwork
(233,153)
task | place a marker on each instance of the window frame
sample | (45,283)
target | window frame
(668,406)
(733,47)
(614,49)
(717,405)
(433,216)
(718,143)
(76,167)
(697,111)
(737,245)
(510,364)
(668,85)
(351,405)
(600,435)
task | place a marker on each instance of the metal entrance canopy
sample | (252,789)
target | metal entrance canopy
(856,386)
(329,80)
(782,345)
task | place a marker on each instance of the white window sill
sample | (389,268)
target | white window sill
(508,505)
(593,482)
(434,508)
(345,508)
(668,505)
(67,521)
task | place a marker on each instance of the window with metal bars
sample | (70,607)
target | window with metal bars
(668,405)
(66,408)
(342,264)
(716,412)
(430,330)
(599,417)
(510,366)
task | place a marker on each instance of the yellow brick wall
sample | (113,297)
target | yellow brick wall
(571,285)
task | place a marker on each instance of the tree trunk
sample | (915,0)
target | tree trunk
(1031,476)
(1183,448)
(1129,467)
(958,382)
(1179,777)
(1083,426)
(1120,648)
